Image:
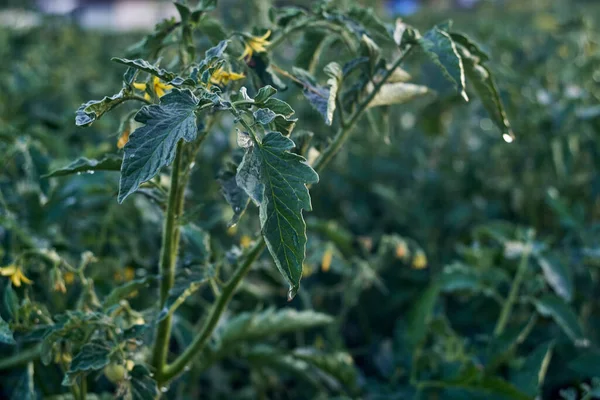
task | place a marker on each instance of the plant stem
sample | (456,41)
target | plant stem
(168,260)
(22,357)
(210,324)
(172,370)
(514,290)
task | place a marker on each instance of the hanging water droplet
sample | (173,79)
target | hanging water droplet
(292,293)
(164,389)
(231,224)
(187,368)
(192,164)
(237,209)
(508,138)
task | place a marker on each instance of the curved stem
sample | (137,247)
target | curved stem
(210,324)
(168,260)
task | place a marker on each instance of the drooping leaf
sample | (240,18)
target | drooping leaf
(483,82)
(557,276)
(92,357)
(145,66)
(317,96)
(554,307)
(249,326)
(264,116)
(6,335)
(334,72)
(235,196)
(260,64)
(396,93)
(276,179)
(152,146)
(110,162)
(441,49)
(530,376)
(264,94)
(94,109)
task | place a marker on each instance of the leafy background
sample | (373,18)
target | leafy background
(433,176)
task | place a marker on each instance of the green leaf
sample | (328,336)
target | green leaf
(110,162)
(530,377)
(420,315)
(260,64)
(94,109)
(470,45)
(441,49)
(235,196)
(276,179)
(124,291)
(397,93)
(483,82)
(264,94)
(376,28)
(334,72)
(141,386)
(558,276)
(152,146)
(145,66)
(278,107)
(92,357)
(257,326)
(554,307)
(587,365)
(317,96)
(10,300)
(6,335)
(264,116)
(337,365)
(198,242)
(284,125)
(24,388)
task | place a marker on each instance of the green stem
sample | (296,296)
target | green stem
(514,291)
(22,357)
(168,260)
(172,370)
(210,324)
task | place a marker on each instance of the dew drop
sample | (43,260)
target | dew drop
(192,164)
(187,368)
(91,172)
(508,138)
(79,173)
(164,389)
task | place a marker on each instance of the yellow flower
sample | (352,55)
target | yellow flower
(420,260)
(326,260)
(124,138)
(69,277)
(245,241)
(15,274)
(158,87)
(129,273)
(56,278)
(255,44)
(401,250)
(222,77)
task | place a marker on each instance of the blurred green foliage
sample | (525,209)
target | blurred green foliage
(425,227)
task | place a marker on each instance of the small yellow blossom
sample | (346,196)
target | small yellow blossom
(15,275)
(124,138)
(129,273)
(401,250)
(222,77)
(69,277)
(255,44)
(158,87)
(326,260)
(420,260)
(245,241)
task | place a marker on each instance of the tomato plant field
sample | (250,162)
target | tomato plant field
(303,200)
